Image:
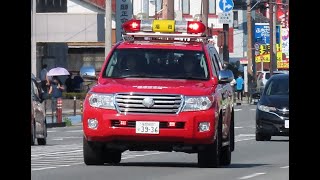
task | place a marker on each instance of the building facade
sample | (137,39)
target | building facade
(70,33)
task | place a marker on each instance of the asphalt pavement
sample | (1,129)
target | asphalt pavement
(62,158)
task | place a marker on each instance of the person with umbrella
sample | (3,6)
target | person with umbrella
(55,91)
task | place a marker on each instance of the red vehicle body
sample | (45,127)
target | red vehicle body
(159,110)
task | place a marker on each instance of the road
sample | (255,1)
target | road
(62,158)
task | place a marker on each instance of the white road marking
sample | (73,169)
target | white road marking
(50,157)
(238,127)
(75,130)
(73,137)
(133,156)
(246,135)
(284,167)
(252,175)
(51,131)
(70,137)
(244,139)
(37,169)
(235,110)
(61,152)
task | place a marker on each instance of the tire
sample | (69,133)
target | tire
(262,137)
(210,156)
(92,154)
(225,157)
(232,138)
(43,141)
(33,134)
(112,157)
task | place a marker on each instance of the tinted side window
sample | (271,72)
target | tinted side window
(212,60)
(218,62)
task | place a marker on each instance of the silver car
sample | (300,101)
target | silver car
(263,77)
(38,113)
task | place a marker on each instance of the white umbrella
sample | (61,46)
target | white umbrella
(58,71)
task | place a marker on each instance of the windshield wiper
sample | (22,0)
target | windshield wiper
(189,77)
(131,75)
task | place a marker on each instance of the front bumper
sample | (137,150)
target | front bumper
(270,123)
(187,133)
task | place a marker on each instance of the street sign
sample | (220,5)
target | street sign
(226,18)
(226,5)
(262,33)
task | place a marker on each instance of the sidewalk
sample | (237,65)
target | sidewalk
(76,120)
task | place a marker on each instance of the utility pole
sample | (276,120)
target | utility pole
(272,33)
(33,39)
(204,14)
(249,42)
(145,8)
(226,43)
(168,9)
(108,27)
(274,37)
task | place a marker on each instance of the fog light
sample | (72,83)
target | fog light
(92,123)
(204,126)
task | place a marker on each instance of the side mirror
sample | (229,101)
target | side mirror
(88,72)
(225,76)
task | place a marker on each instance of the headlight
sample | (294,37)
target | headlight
(197,103)
(104,101)
(266,108)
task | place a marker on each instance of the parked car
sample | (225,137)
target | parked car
(263,77)
(272,114)
(38,114)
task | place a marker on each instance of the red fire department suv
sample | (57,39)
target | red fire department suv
(161,89)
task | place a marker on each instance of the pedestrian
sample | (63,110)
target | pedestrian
(77,83)
(239,87)
(69,83)
(55,91)
(44,78)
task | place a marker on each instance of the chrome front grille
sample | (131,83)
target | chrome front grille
(148,103)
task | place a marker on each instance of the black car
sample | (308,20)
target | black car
(272,114)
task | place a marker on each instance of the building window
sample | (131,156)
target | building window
(235,20)
(212,7)
(45,6)
(185,7)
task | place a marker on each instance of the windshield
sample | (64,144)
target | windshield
(157,63)
(278,87)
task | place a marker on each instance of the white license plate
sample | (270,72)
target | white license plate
(147,127)
(286,123)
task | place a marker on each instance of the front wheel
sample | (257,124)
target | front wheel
(33,134)
(92,153)
(262,137)
(210,155)
(112,157)
(43,141)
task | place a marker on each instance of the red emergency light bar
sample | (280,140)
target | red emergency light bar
(165,26)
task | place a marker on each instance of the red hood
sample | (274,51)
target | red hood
(185,87)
